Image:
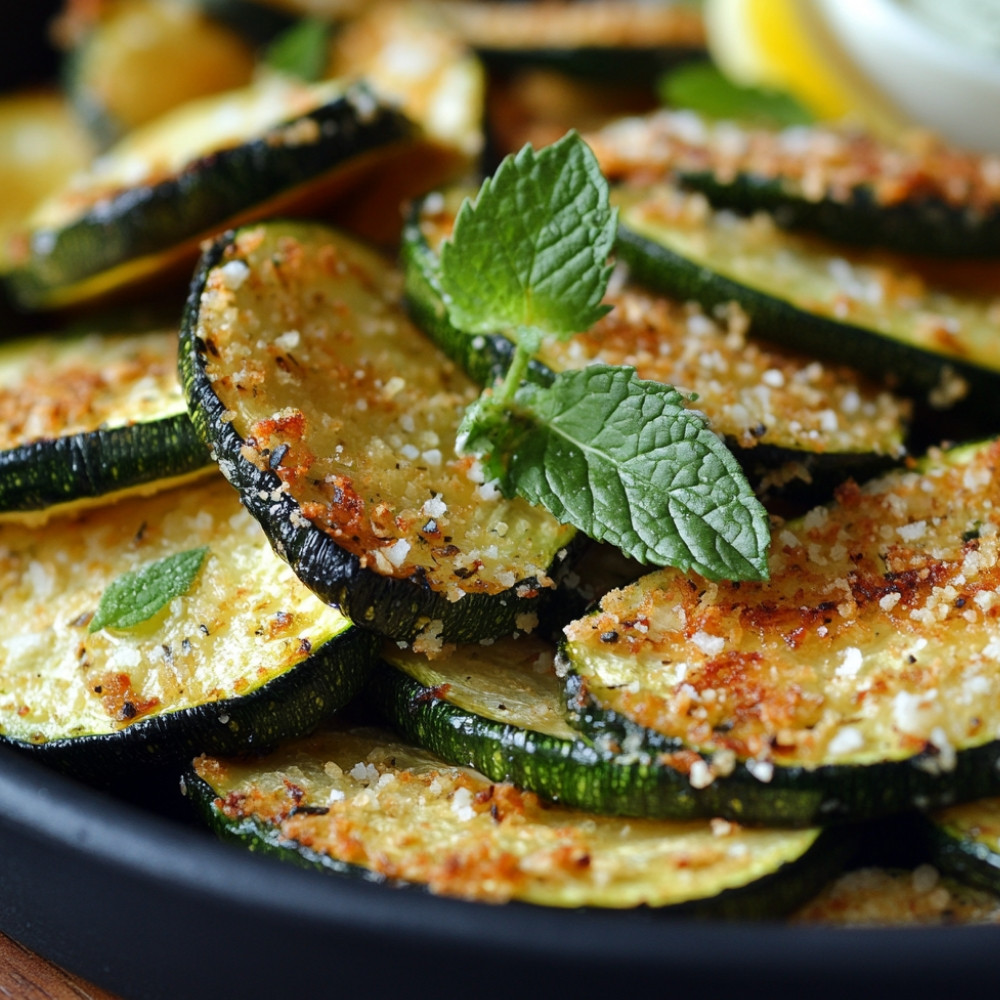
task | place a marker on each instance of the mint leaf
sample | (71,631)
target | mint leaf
(136,597)
(530,253)
(703,88)
(621,459)
(303,50)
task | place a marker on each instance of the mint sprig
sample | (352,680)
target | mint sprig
(623,460)
(619,458)
(135,597)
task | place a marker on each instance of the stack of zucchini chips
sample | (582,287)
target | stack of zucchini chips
(240,545)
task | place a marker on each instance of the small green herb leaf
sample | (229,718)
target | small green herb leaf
(136,597)
(703,88)
(623,460)
(303,50)
(530,253)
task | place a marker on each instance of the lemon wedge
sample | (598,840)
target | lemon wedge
(786,45)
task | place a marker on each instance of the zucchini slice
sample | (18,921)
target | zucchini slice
(863,672)
(143,208)
(245,658)
(141,58)
(845,184)
(361,799)
(85,417)
(965,842)
(336,420)
(824,299)
(786,417)
(501,709)
(623,41)
(892,897)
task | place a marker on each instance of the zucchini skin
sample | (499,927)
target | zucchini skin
(260,838)
(96,463)
(803,796)
(775,893)
(148,220)
(574,773)
(287,707)
(927,225)
(962,850)
(397,608)
(905,367)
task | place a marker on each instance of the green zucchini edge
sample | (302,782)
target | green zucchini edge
(396,608)
(803,796)
(97,463)
(926,225)
(286,707)
(904,367)
(214,188)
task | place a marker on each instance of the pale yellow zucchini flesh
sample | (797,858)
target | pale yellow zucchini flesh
(876,639)
(41,146)
(142,58)
(58,385)
(244,622)
(331,387)
(363,798)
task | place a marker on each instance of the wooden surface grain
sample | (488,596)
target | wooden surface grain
(26,976)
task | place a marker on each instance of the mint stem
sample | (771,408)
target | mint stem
(515,375)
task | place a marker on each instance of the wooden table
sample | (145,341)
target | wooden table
(26,976)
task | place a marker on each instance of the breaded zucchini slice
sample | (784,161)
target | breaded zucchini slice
(862,676)
(87,417)
(142,209)
(363,801)
(917,196)
(883,315)
(245,657)
(336,420)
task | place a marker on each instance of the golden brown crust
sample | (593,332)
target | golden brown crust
(876,637)
(816,161)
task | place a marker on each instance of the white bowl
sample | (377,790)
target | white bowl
(935,76)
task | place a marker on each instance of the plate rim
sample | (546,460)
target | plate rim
(174,902)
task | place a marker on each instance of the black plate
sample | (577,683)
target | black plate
(142,902)
(147,906)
